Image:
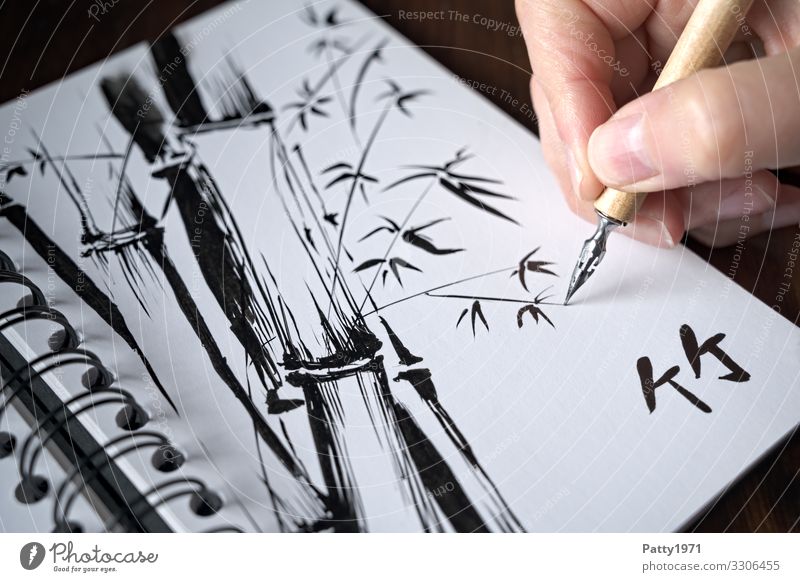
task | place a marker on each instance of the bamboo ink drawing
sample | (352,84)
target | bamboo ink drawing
(277,270)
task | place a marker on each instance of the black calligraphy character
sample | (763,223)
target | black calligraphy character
(645,368)
(710,346)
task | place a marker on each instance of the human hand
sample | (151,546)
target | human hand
(702,145)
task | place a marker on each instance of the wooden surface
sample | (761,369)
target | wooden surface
(41,41)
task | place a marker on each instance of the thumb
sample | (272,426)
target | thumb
(719,123)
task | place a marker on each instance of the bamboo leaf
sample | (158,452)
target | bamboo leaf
(428,224)
(540,267)
(463,313)
(477,311)
(400,262)
(485,192)
(15,171)
(409,179)
(338,166)
(535,312)
(475,202)
(368,265)
(373,232)
(331,19)
(394,225)
(474,178)
(340,178)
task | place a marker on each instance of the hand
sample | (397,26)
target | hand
(702,146)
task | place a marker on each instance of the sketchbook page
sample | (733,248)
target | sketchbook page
(346,269)
(98,413)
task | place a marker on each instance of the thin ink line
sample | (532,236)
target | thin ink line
(427,291)
(502,299)
(353,187)
(396,236)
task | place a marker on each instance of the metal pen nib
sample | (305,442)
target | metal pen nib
(591,254)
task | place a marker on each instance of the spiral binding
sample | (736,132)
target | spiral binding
(98,390)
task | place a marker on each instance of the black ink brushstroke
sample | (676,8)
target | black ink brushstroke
(373,57)
(462,192)
(329,217)
(710,346)
(195,194)
(423,242)
(476,311)
(330,19)
(422,382)
(309,104)
(397,262)
(528,306)
(390,226)
(217,264)
(463,187)
(76,279)
(342,499)
(430,291)
(368,264)
(15,171)
(350,347)
(394,99)
(127,98)
(326,46)
(331,73)
(154,244)
(645,369)
(178,84)
(535,312)
(533,266)
(435,474)
(401,97)
(405,355)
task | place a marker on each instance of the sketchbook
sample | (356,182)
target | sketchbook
(281,271)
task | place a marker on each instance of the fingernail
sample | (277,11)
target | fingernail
(767,200)
(739,203)
(784,215)
(652,231)
(618,153)
(575,174)
(666,237)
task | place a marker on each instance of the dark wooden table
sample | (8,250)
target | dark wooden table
(46,39)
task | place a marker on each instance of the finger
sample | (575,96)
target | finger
(552,146)
(567,43)
(649,229)
(669,18)
(719,123)
(731,199)
(734,231)
(659,222)
(632,66)
(776,23)
(664,26)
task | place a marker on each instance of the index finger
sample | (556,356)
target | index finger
(570,44)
